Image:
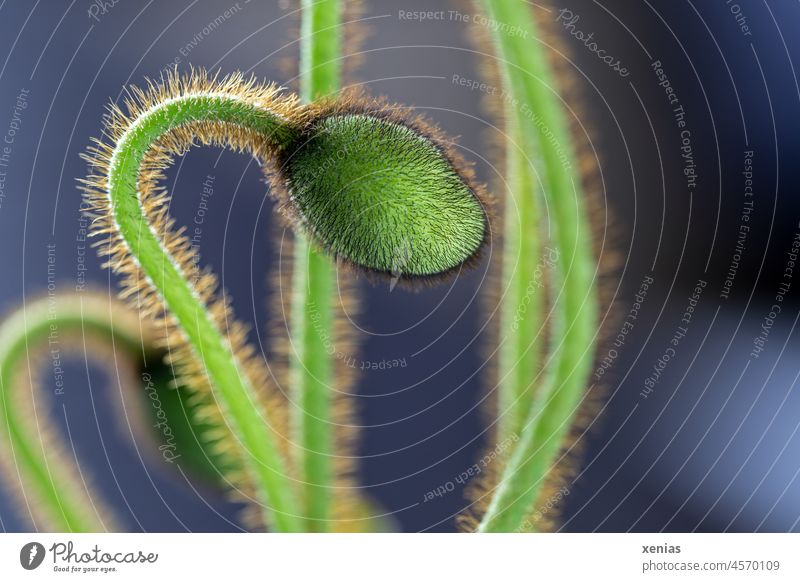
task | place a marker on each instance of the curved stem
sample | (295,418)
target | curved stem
(522,283)
(232,388)
(312,291)
(575,308)
(65,506)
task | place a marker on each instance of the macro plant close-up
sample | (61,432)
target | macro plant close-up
(368,189)
(342,266)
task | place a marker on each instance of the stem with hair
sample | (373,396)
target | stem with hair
(339,164)
(59,499)
(520,309)
(312,292)
(232,388)
(575,310)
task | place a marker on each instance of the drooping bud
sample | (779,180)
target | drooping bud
(384,192)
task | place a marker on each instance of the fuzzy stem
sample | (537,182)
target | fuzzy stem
(233,390)
(521,283)
(575,309)
(312,292)
(66,507)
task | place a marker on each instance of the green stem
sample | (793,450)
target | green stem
(233,390)
(575,309)
(66,506)
(521,283)
(312,292)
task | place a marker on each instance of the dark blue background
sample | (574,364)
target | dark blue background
(714,448)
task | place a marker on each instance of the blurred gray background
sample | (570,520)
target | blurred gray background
(713,446)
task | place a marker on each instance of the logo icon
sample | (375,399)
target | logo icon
(400,259)
(31,555)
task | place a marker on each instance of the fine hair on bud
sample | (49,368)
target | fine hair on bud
(383,191)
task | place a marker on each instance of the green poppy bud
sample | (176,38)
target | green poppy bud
(384,194)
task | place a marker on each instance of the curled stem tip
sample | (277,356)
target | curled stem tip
(365,183)
(52,489)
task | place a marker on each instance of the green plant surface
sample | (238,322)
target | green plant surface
(575,305)
(232,388)
(157,263)
(353,208)
(313,286)
(191,433)
(49,482)
(381,196)
(521,305)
